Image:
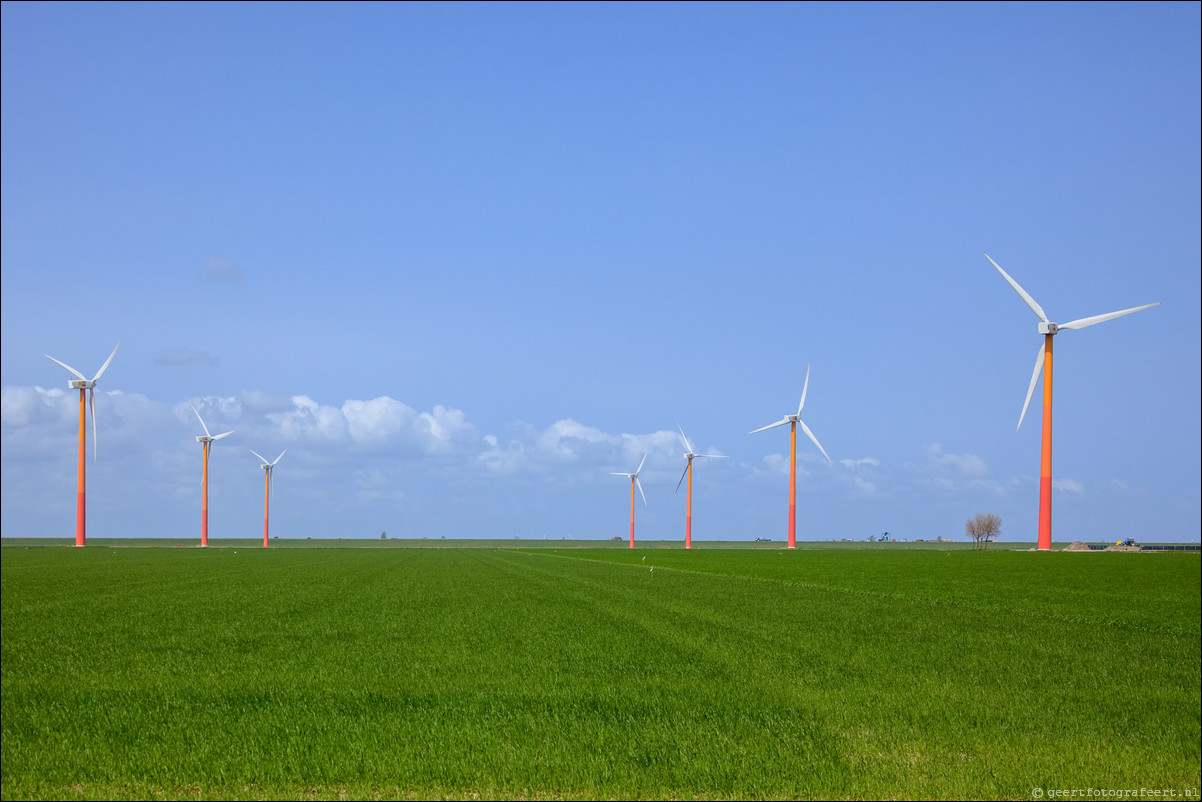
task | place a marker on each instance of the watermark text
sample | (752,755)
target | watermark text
(1041,792)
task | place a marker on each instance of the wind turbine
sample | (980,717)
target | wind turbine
(269,468)
(85,386)
(689,454)
(207,439)
(1043,363)
(793,420)
(634,481)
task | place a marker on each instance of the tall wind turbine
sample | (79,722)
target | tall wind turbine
(793,420)
(269,468)
(634,482)
(1043,363)
(87,387)
(207,439)
(689,454)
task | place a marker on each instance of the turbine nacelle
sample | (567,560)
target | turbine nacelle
(84,383)
(796,419)
(633,477)
(690,455)
(1048,327)
(206,437)
(267,466)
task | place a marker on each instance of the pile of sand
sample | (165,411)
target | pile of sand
(1123,548)
(1077,545)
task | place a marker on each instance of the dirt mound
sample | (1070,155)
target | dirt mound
(1123,548)
(1077,545)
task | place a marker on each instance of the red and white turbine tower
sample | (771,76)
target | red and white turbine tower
(269,469)
(793,421)
(1043,364)
(86,387)
(690,455)
(207,440)
(634,482)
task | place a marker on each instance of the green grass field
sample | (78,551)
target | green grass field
(539,672)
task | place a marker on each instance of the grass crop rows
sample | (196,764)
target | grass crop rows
(581,673)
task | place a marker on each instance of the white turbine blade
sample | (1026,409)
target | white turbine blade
(711,456)
(639,469)
(1031,389)
(105,366)
(68,367)
(202,421)
(810,435)
(223,434)
(688,448)
(277,459)
(92,404)
(804,387)
(682,476)
(1089,321)
(639,485)
(1036,308)
(260,456)
(617,473)
(780,422)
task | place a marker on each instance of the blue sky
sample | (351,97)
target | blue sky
(465,260)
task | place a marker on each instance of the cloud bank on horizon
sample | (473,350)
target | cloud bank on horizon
(379,463)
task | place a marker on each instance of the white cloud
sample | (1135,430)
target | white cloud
(565,439)
(865,486)
(25,406)
(371,425)
(342,456)
(443,424)
(308,420)
(377,421)
(871,462)
(777,463)
(967,465)
(502,460)
(663,444)
(1068,485)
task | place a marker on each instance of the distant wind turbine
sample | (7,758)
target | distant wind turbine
(1043,363)
(269,469)
(794,420)
(634,482)
(207,440)
(86,387)
(690,455)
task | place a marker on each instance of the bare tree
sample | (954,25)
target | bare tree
(983,528)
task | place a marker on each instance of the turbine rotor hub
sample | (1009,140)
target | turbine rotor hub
(1048,328)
